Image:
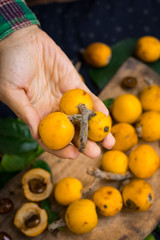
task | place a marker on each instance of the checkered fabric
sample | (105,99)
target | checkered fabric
(14,15)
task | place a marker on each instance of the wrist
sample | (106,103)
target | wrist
(16,36)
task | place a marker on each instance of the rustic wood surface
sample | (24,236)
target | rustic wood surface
(126,225)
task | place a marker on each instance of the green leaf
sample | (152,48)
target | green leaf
(45,204)
(15,137)
(2,169)
(42,164)
(150,237)
(108,102)
(12,162)
(39,150)
(120,52)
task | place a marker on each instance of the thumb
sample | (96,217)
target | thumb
(17,100)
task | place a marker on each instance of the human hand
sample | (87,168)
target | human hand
(34,74)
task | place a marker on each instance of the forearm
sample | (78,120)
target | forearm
(14,15)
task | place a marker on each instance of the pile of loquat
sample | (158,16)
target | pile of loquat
(128,162)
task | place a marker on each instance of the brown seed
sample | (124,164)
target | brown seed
(37,185)
(4,236)
(6,205)
(32,221)
(129,82)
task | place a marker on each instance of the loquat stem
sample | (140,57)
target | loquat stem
(82,119)
(56,224)
(75,118)
(87,189)
(84,126)
(108,175)
(149,81)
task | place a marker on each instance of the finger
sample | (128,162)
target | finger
(108,142)
(17,100)
(98,105)
(69,151)
(92,150)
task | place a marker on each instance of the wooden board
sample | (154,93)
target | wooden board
(126,225)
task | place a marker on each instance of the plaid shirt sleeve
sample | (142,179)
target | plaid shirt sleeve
(14,15)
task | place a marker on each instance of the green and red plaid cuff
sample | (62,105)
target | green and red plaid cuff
(14,15)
